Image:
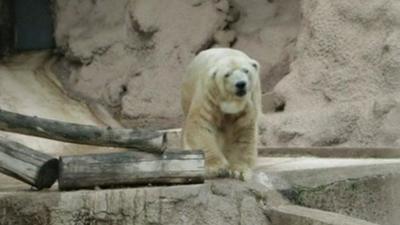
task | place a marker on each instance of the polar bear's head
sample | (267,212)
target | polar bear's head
(236,78)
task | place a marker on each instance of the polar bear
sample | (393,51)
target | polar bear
(221,101)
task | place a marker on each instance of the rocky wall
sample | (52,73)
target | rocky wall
(130,55)
(332,67)
(344,85)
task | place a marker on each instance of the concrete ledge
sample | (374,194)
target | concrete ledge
(314,172)
(372,198)
(221,202)
(360,188)
(290,214)
(330,152)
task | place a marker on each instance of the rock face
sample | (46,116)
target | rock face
(221,202)
(267,31)
(344,85)
(341,57)
(132,58)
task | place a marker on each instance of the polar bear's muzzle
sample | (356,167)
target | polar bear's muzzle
(238,82)
(241,88)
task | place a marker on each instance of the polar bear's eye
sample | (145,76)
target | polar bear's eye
(227,75)
(246,71)
(254,65)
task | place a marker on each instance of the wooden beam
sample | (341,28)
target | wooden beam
(130,169)
(137,139)
(27,165)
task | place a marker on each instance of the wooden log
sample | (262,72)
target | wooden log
(137,139)
(27,165)
(130,169)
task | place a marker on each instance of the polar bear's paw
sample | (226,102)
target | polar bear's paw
(217,171)
(244,174)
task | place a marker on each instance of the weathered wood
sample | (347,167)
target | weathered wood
(130,169)
(27,165)
(137,139)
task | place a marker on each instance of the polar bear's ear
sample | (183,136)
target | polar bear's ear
(255,64)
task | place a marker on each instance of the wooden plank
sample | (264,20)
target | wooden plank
(27,165)
(130,169)
(330,152)
(137,139)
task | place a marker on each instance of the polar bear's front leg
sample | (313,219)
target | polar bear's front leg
(199,134)
(241,153)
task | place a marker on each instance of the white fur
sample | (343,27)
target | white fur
(231,107)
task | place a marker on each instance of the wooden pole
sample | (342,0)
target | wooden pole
(130,169)
(27,165)
(137,139)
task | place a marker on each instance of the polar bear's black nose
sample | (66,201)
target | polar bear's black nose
(241,85)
